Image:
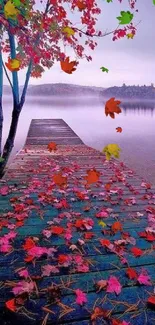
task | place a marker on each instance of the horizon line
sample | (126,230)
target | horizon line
(64,83)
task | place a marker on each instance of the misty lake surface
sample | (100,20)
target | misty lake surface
(87,118)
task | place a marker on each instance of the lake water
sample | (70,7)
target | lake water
(87,118)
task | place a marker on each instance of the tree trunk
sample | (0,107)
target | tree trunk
(1,125)
(1,109)
(10,140)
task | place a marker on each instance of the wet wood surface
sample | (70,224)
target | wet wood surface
(30,177)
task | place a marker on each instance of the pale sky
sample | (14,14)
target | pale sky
(129,61)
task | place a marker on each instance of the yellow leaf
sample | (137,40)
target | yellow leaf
(111,150)
(69,31)
(13,64)
(130,35)
(101,223)
(10,11)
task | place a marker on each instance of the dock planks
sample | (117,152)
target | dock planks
(61,228)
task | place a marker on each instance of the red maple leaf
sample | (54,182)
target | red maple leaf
(105,242)
(88,235)
(111,107)
(67,66)
(29,243)
(137,252)
(151,300)
(10,304)
(57,230)
(116,226)
(52,146)
(131,273)
(62,259)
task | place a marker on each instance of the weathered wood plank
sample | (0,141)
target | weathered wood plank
(34,163)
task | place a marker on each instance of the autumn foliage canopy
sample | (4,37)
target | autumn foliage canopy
(43,28)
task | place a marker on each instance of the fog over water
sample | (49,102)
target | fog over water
(87,118)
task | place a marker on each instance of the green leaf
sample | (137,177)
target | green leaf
(17,3)
(153,2)
(109,1)
(104,69)
(125,18)
(1,159)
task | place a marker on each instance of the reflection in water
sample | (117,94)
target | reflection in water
(87,118)
(138,108)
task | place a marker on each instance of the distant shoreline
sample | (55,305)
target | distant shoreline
(125,93)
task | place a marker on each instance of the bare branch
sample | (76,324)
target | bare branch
(7,75)
(96,35)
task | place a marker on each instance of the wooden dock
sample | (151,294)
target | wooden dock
(73,252)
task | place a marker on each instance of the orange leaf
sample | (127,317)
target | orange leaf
(116,226)
(81,5)
(52,146)
(59,179)
(80,195)
(107,186)
(29,243)
(119,129)
(99,312)
(10,304)
(67,66)
(92,176)
(111,107)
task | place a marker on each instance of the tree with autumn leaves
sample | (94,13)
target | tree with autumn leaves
(34,35)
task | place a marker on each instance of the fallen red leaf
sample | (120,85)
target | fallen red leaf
(107,186)
(92,176)
(105,242)
(131,273)
(29,258)
(116,226)
(150,237)
(52,146)
(10,304)
(19,223)
(99,312)
(62,259)
(57,230)
(29,243)
(59,179)
(136,251)
(151,300)
(88,235)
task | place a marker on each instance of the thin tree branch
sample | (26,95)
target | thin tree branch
(1,109)
(96,35)
(31,62)
(5,70)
